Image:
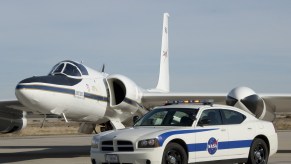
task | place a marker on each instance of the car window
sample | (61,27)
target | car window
(169,117)
(232,117)
(181,118)
(213,115)
(155,119)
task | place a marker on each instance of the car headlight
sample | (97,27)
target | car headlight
(94,143)
(148,143)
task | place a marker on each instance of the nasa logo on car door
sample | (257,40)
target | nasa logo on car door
(212,145)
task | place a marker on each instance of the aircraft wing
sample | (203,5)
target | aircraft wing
(12,116)
(281,102)
(155,99)
(12,104)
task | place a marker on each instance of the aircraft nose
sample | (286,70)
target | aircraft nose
(30,80)
(25,95)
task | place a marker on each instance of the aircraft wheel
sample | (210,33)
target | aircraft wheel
(106,126)
(174,154)
(258,152)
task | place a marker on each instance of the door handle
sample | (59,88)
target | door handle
(223,130)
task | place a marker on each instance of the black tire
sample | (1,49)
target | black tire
(174,154)
(259,153)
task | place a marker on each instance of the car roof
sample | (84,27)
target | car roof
(202,106)
(194,106)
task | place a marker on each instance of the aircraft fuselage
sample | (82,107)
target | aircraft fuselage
(82,98)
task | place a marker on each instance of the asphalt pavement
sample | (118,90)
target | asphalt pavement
(75,149)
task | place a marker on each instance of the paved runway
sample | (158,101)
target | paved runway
(75,149)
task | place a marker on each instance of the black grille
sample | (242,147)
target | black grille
(124,143)
(107,146)
(107,143)
(120,146)
(107,149)
(124,146)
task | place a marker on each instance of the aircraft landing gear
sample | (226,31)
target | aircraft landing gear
(106,126)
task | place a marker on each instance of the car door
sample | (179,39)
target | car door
(212,133)
(240,132)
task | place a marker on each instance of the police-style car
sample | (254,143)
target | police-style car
(188,133)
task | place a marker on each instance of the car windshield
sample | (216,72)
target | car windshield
(169,117)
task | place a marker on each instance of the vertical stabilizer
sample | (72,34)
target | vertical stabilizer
(164,78)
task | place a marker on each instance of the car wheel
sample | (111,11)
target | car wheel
(258,152)
(174,154)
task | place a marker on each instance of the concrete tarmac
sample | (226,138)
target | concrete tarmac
(76,149)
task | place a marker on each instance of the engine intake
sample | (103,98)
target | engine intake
(123,91)
(247,100)
(12,120)
(118,93)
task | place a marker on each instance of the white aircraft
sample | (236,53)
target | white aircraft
(77,92)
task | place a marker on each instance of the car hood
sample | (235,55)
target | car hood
(135,133)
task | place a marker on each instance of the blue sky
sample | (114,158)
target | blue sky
(214,45)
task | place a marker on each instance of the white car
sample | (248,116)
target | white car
(187,133)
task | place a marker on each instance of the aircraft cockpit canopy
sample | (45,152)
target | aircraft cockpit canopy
(69,68)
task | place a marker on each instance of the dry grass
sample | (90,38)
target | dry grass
(283,123)
(50,128)
(62,128)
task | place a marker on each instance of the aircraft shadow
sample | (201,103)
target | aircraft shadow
(46,152)
(284,151)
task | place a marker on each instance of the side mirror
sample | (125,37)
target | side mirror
(135,119)
(204,121)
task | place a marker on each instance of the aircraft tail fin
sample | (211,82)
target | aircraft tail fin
(164,78)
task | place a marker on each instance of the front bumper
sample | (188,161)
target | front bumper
(140,156)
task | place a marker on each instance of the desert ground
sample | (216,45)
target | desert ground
(57,126)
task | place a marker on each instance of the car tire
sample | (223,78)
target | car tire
(259,153)
(174,154)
